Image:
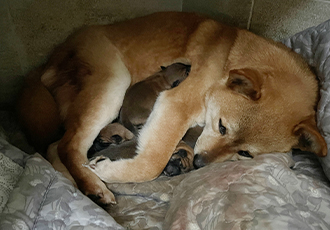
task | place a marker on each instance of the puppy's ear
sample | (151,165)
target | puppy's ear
(309,138)
(247,82)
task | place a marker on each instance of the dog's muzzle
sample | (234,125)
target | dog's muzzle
(198,161)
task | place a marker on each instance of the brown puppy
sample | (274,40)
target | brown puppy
(113,133)
(181,161)
(141,97)
(249,93)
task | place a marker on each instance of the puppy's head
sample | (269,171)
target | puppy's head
(253,112)
(175,73)
(113,133)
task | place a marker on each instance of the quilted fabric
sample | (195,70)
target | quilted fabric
(9,174)
(263,193)
(44,199)
(314,45)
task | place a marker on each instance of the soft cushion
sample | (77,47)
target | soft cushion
(9,175)
(314,45)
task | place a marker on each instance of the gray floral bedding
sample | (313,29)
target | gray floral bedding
(273,191)
(43,199)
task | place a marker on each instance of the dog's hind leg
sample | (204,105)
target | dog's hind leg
(87,103)
(53,158)
(81,129)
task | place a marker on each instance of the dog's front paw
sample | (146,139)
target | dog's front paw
(100,194)
(100,166)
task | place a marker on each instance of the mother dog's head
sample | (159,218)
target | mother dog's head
(265,103)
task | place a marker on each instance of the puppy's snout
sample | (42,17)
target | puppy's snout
(116,139)
(198,161)
(172,168)
(182,153)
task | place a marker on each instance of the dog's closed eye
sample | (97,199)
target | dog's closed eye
(244,154)
(176,83)
(139,126)
(222,129)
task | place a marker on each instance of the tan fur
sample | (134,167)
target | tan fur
(37,113)
(263,92)
(56,162)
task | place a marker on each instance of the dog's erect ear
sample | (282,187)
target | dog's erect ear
(247,82)
(309,138)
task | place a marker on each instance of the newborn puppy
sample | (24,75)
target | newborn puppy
(113,133)
(181,161)
(141,97)
(137,106)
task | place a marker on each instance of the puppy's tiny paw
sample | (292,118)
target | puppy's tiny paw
(100,166)
(96,162)
(98,159)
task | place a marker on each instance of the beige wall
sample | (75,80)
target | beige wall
(29,29)
(233,12)
(275,19)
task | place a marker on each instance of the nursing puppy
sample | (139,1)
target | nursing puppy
(141,97)
(137,106)
(250,94)
(113,133)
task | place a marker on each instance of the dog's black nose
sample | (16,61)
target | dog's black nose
(198,161)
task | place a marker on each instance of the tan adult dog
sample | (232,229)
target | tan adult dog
(250,93)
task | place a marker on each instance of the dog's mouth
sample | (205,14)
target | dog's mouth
(200,160)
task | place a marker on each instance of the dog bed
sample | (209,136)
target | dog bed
(273,191)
